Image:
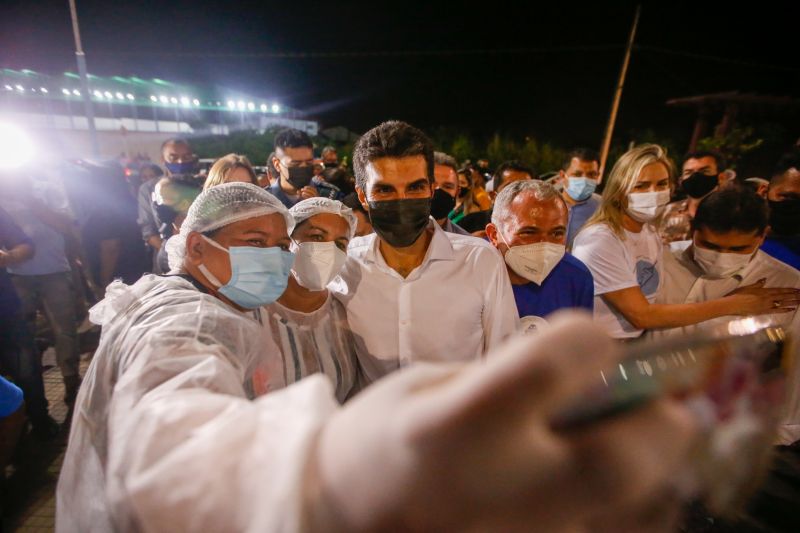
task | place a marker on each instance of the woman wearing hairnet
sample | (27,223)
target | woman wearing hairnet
(166,438)
(308,325)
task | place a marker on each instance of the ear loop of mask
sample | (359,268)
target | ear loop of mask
(204,270)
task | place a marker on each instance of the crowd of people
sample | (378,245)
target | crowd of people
(253,327)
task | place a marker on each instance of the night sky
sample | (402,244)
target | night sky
(547,69)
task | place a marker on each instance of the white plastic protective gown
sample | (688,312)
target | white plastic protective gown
(164,435)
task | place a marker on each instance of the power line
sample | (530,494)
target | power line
(370,53)
(717,59)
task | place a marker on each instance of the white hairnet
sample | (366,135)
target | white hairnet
(220,206)
(314,206)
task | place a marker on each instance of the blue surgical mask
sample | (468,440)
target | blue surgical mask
(181,168)
(580,189)
(258,275)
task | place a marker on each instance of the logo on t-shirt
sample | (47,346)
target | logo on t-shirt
(647,277)
(531,324)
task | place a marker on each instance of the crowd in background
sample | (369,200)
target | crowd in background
(409,256)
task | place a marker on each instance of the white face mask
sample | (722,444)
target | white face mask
(720,265)
(317,263)
(646,206)
(533,262)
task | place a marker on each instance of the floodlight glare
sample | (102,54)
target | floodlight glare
(129,96)
(120,96)
(163,99)
(98,94)
(65,91)
(153,98)
(231,104)
(43,89)
(263,108)
(20,88)
(196,101)
(108,95)
(276,108)
(16,148)
(9,88)
(240,105)
(173,100)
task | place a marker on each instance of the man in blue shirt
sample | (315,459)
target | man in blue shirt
(578,180)
(40,208)
(529,227)
(18,355)
(783,241)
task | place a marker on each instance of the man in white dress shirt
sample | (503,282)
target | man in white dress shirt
(724,256)
(412,291)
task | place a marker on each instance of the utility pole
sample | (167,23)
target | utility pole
(87,97)
(612,119)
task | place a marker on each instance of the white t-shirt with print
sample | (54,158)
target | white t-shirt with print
(619,264)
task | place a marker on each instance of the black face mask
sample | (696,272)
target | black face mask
(331,165)
(463,192)
(698,184)
(784,217)
(300,177)
(400,222)
(441,204)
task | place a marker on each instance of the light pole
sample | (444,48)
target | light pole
(87,98)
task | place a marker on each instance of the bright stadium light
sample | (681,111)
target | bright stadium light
(196,102)
(108,95)
(9,88)
(76,92)
(231,104)
(65,91)
(43,89)
(20,88)
(16,148)
(163,99)
(263,108)
(129,96)
(218,104)
(120,96)
(173,100)
(276,108)
(240,105)
(251,106)
(98,94)
(153,98)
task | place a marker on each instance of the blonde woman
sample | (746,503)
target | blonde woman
(621,247)
(230,168)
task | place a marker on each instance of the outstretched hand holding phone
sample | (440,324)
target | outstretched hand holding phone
(475,448)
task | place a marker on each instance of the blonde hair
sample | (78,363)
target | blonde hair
(219,172)
(621,181)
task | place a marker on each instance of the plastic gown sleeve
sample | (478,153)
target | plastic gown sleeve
(189,452)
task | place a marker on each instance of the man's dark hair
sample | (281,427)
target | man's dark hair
(175,140)
(786,162)
(393,139)
(699,154)
(290,138)
(441,158)
(271,170)
(519,166)
(351,201)
(734,208)
(582,154)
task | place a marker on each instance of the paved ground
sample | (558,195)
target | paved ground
(31,502)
